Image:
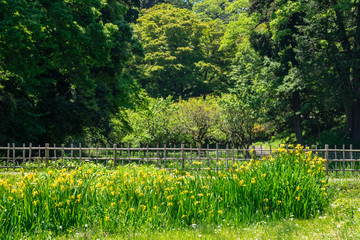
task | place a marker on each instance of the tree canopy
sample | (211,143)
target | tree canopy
(62,67)
(76,69)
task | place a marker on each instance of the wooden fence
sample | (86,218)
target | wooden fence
(182,157)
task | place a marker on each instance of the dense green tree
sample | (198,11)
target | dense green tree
(199,119)
(154,122)
(182,56)
(239,116)
(62,67)
(331,50)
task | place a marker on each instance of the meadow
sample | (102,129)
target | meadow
(146,200)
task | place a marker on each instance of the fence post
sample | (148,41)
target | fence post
(30,146)
(14,155)
(47,154)
(351,158)
(233,154)
(253,152)
(72,152)
(97,153)
(182,157)
(217,157)
(106,155)
(158,156)
(122,155)
(129,155)
(147,154)
(55,153)
(8,155)
(164,155)
(89,157)
(114,146)
(139,154)
(80,153)
(344,159)
(62,154)
(191,159)
(327,159)
(23,160)
(208,155)
(200,156)
(227,156)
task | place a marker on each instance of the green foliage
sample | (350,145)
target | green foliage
(199,118)
(155,123)
(233,119)
(182,56)
(61,67)
(239,119)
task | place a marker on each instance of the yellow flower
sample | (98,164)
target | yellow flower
(112,204)
(309,171)
(297,198)
(34,193)
(106,218)
(143,207)
(220,212)
(197,202)
(279,202)
(297,188)
(253,180)
(200,194)
(264,175)
(266,200)
(132,209)
(170,204)
(35,202)
(11,198)
(325,193)
(183,216)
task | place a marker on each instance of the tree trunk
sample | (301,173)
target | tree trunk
(355,128)
(355,124)
(297,118)
(348,114)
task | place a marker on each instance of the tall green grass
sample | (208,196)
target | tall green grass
(126,199)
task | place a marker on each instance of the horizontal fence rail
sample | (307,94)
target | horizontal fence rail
(168,157)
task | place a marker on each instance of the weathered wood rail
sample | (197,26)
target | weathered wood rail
(181,156)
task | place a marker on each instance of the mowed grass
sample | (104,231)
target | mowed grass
(145,202)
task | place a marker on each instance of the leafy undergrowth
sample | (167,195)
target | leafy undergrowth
(144,200)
